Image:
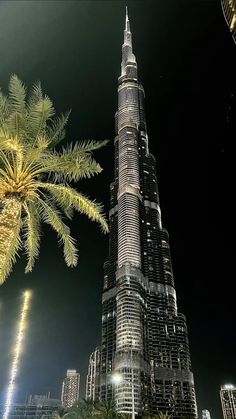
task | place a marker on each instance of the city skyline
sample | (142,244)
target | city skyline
(168,93)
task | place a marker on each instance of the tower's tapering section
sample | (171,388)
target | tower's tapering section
(144,338)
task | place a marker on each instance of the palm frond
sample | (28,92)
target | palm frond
(31,234)
(52,216)
(15,122)
(73,163)
(56,415)
(67,196)
(17,95)
(56,132)
(38,116)
(3,100)
(68,170)
(10,144)
(91,145)
(33,158)
(4,113)
(36,94)
(7,163)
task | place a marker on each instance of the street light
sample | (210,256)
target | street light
(117,378)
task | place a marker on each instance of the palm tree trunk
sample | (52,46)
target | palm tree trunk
(10,222)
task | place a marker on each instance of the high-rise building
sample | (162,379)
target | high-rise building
(229,10)
(92,381)
(206,414)
(144,337)
(228,401)
(70,388)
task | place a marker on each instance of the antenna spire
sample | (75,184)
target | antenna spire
(127,25)
(127,50)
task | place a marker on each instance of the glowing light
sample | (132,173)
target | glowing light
(16,352)
(117,378)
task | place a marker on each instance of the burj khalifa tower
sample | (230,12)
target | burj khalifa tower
(144,337)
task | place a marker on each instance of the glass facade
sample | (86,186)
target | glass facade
(144,337)
(228,401)
(92,379)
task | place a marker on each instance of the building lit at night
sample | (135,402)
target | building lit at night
(144,337)
(70,388)
(228,401)
(92,380)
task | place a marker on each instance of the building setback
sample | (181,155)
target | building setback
(92,380)
(228,401)
(144,337)
(70,388)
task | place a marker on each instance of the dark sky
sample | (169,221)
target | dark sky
(186,60)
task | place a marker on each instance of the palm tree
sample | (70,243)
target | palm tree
(35,177)
(55,415)
(159,415)
(107,410)
(59,415)
(83,409)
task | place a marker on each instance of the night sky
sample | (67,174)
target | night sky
(186,61)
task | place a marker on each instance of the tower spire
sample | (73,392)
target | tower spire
(127,25)
(127,48)
(127,33)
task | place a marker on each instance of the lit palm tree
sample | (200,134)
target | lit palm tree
(58,415)
(83,409)
(34,177)
(159,415)
(107,410)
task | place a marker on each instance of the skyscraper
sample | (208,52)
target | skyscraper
(229,10)
(144,337)
(228,401)
(70,388)
(92,380)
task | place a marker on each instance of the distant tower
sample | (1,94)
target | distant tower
(228,401)
(70,388)
(92,389)
(206,414)
(229,10)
